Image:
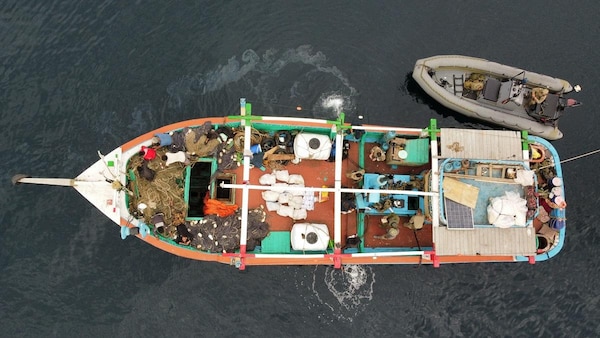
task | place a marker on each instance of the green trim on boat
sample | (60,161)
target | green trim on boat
(433,129)
(525,140)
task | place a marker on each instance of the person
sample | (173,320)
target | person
(416,221)
(377,154)
(389,235)
(148,153)
(184,237)
(348,203)
(356,175)
(159,222)
(389,222)
(145,171)
(474,82)
(538,95)
(352,241)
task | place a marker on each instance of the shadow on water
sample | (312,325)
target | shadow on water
(412,88)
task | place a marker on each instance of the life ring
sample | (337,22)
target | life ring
(465,163)
(537,153)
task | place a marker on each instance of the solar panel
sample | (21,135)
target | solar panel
(459,216)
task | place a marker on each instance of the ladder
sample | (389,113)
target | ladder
(458,82)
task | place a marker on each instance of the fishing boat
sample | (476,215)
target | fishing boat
(503,95)
(268,190)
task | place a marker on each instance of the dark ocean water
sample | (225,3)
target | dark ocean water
(77,77)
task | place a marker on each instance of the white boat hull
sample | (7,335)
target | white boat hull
(511,115)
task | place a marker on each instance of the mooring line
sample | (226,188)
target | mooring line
(572,158)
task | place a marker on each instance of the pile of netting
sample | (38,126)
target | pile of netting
(222,234)
(164,191)
(159,186)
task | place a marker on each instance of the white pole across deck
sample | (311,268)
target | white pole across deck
(246,175)
(435,207)
(337,197)
(320,189)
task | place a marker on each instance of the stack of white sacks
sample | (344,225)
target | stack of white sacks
(282,197)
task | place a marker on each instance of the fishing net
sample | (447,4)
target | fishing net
(164,193)
(161,189)
(222,234)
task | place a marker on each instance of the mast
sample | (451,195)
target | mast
(65,182)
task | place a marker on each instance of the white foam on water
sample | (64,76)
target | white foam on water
(344,294)
(279,80)
(334,101)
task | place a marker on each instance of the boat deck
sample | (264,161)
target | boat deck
(323,212)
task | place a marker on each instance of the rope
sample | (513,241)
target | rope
(256,137)
(572,158)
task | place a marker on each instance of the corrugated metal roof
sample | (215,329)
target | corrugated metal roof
(485,241)
(481,144)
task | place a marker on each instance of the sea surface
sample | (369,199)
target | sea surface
(81,76)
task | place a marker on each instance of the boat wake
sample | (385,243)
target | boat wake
(297,81)
(342,293)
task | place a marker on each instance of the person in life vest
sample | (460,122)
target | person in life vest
(377,154)
(474,82)
(389,222)
(538,95)
(416,221)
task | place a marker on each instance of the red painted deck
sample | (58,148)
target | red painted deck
(322,173)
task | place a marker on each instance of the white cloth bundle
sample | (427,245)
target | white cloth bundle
(267,179)
(285,211)
(299,214)
(296,179)
(282,175)
(270,196)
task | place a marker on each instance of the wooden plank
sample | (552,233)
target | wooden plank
(478,144)
(485,241)
(460,192)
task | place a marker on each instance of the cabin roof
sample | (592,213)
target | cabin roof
(485,241)
(488,144)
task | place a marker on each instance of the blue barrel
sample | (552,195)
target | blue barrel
(557,219)
(457,165)
(557,213)
(557,223)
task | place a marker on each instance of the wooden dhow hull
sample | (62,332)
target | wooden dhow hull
(408,167)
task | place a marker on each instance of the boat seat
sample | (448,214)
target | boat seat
(491,89)
(549,109)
